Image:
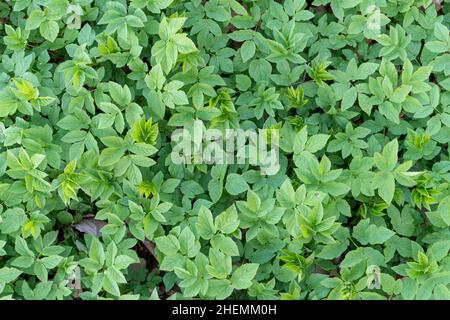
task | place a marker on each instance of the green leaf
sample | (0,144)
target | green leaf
(184,44)
(367,233)
(225,244)
(385,182)
(441,32)
(349,98)
(111,286)
(96,251)
(399,95)
(247,50)
(205,224)
(227,222)
(219,264)
(169,245)
(110,156)
(236,184)
(49,30)
(8,275)
(34,20)
(242,277)
(316,142)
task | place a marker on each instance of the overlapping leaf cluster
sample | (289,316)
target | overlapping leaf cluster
(92,207)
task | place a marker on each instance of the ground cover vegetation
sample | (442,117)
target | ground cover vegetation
(92,207)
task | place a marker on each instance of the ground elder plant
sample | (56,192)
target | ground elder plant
(350,99)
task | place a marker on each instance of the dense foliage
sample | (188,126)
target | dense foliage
(92,207)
